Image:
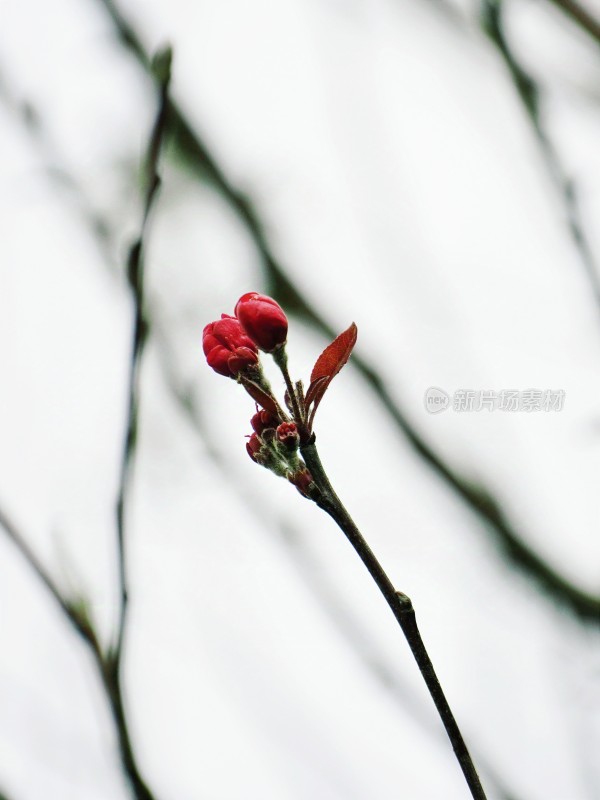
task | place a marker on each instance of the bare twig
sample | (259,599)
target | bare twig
(511,544)
(135,274)
(109,664)
(71,610)
(531,94)
(402,608)
(161,68)
(580,16)
(54,163)
(75,611)
(363,647)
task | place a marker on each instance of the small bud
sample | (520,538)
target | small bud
(263,420)
(287,434)
(263,319)
(268,435)
(253,447)
(227,348)
(303,481)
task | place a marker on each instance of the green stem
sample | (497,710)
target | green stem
(110,672)
(402,609)
(280,358)
(580,16)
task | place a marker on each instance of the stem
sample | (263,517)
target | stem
(402,609)
(531,92)
(111,679)
(135,274)
(109,664)
(581,16)
(280,358)
(110,667)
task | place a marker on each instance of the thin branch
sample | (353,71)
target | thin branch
(531,94)
(109,664)
(76,613)
(511,545)
(112,673)
(73,611)
(135,274)
(581,17)
(280,358)
(365,649)
(32,121)
(360,642)
(402,608)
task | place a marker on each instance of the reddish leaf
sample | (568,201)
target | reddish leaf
(321,389)
(313,389)
(262,398)
(335,355)
(327,366)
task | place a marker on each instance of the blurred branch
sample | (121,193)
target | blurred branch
(70,609)
(580,16)
(76,613)
(32,121)
(161,70)
(531,94)
(135,272)
(511,545)
(109,664)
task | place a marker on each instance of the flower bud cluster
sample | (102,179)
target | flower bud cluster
(231,346)
(274,445)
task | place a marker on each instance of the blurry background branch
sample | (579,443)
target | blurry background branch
(531,94)
(135,273)
(510,542)
(76,611)
(161,70)
(581,16)
(109,662)
(69,608)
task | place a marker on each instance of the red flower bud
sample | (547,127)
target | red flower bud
(263,420)
(288,435)
(303,481)
(253,446)
(227,348)
(263,320)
